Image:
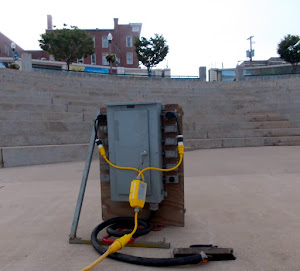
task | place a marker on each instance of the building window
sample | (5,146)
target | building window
(6,49)
(104,42)
(104,60)
(94,40)
(135,29)
(93,59)
(80,60)
(129,41)
(129,58)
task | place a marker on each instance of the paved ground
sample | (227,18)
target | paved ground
(244,198)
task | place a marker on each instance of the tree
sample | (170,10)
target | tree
(67,44)
(289,50)
(151,52)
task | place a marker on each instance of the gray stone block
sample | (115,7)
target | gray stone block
(39,116)
(26,63)
(203,143)
(41,138)
(29,99)
(33,107)
(45,127)
(233,142)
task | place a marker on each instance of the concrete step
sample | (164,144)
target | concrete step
(34,103)
(199,127)
(41,138)
(275,125)
(31,107)
(194,144)
(31,98)
(77,100)
(290,142)
(37,155)
(40,116)
(256,133)
(44,127)
(243,133)
(18,92)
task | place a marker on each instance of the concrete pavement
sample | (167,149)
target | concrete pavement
(244,198)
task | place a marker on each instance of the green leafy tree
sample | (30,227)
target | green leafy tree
(67,44)
(289,50)
(151,52)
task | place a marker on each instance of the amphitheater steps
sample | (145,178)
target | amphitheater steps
(50,116)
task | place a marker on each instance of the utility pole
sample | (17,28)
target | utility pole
(250,53)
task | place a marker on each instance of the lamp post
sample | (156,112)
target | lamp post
(251,52)
(13,47)
(109,38)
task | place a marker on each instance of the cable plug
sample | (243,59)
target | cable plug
(180,144)
(119,243)
(98,141)
(100,147)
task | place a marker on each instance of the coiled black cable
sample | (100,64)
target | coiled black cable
(127,223)
(155,262)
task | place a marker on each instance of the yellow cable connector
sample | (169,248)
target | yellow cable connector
(101,150)
(137,196)
(116,245)
(180,148)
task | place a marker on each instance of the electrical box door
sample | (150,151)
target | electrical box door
(135,140)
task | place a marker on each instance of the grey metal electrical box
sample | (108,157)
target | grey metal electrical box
(134,140)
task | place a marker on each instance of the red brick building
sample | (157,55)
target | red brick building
(5,47)
(122,44)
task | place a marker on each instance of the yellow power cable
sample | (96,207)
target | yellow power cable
(162,169)
(116,245)
(103,154)
(100,259)
(118,167)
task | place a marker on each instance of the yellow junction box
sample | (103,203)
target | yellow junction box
(137,196)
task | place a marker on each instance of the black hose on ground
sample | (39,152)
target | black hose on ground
(155,262)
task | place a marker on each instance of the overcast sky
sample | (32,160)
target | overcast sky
(208,33)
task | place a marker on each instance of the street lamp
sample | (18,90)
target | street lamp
(109,38)
(13,47)
(292,47)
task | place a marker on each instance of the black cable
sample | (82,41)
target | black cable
(96,124)
(99,118)
(178,127)
(127,223)
(157,262)
(171,115)
(112,229)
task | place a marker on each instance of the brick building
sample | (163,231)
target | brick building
(5,47)
(122,44)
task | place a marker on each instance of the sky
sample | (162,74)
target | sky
(210,33)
